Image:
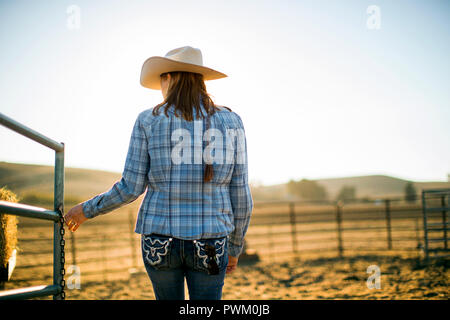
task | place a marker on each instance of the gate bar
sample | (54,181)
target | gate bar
(25,210)
(30,133)
(30,292)
(34,212)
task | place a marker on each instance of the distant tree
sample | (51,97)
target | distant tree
(346,193)
(307,189)
(410,192)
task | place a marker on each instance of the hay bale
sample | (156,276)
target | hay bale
(8,229)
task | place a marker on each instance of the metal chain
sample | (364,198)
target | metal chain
(63,259)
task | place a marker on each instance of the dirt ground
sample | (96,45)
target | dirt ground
(304,279)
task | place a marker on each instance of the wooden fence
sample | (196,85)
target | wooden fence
(107,247)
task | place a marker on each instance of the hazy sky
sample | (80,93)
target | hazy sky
(320,93)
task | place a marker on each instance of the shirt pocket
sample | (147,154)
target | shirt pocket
(202,260)
(156,251)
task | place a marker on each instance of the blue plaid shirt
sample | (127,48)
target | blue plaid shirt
(178,203)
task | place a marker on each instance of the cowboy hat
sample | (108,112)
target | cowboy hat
(186,59)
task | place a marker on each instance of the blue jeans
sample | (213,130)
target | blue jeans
(169,261)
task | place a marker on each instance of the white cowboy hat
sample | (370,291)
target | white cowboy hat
(181,59)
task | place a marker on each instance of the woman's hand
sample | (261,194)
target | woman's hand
(75,217)
(232,264)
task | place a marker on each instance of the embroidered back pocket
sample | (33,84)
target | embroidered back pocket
(210,255)
(156,251)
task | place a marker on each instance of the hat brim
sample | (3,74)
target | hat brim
(153,67)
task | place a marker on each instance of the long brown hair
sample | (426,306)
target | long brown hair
(185,92)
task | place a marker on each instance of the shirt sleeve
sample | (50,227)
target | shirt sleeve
(133,182)
(240,195)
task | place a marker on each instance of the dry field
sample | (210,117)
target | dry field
(106,251)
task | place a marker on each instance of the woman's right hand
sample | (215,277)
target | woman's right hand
(232,264)
(75,217)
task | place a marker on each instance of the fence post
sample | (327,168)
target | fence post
(388,223)
(339,228)
(444,221)
(425,227)
(270,244)
(418,233)
(132,243)
(58,230)
(293,227)
(105,266)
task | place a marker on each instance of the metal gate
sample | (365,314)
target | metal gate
(57,288)
(435,205)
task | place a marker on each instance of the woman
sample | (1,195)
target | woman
(191,156)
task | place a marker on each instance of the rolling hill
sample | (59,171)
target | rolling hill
(372,187)
(80,184)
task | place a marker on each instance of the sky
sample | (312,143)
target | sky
(324,88)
